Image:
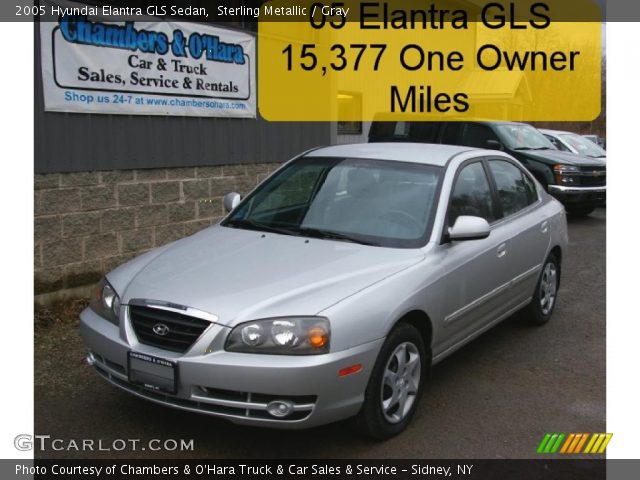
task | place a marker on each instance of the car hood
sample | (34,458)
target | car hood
(240,275)
(556,156)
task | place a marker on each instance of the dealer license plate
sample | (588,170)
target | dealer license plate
(153,373)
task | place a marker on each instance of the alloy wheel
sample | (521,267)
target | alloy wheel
(548,288)
(400,382)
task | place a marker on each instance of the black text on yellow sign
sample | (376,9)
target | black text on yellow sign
(358,61)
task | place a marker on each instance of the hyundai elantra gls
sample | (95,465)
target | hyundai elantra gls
(333,287)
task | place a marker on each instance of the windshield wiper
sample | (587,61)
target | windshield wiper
(311,232)
(251,225)
(532,148)
(329,235)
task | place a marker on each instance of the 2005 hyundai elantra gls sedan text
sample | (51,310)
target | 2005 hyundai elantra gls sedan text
(333,287)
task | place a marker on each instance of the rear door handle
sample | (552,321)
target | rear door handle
(544,227)
(502,250)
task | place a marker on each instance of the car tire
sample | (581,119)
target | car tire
(580,211)
(544,300)
(396,384)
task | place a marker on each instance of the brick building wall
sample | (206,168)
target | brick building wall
(87,223)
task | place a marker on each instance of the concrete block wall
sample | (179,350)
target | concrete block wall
(87,223)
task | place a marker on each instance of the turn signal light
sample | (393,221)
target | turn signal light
(318,337)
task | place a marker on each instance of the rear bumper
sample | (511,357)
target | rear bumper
(580,196)
(238,386)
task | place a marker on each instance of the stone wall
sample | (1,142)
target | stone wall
(87,223)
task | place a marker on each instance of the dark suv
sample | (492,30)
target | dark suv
(578,182)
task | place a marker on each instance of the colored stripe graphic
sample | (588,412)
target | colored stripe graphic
(543,443)
(576,438)
(550,443)
(582,442)
(605,443)
(556,446)
(573,443)
(591,442)
(567,443)
(598,443)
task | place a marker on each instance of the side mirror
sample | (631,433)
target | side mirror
(231,201)
(469,228)
(494,145)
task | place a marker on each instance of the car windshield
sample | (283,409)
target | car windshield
(372,202)
(583,145)
(524,137)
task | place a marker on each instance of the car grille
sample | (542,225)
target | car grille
(182,332)
(593,177)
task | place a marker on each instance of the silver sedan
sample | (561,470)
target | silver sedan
(332,288)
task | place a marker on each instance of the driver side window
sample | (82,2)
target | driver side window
(471,194)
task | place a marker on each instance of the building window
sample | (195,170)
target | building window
(349,106)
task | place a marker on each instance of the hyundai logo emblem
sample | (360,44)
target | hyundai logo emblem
(160,329)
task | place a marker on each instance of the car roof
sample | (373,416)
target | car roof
(426,153)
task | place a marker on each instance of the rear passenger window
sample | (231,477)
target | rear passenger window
(515,189)
(451,133)
(423,132)
(477,135)
(381,131)
(471,194)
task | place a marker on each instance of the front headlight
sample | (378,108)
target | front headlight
(282,336)
(106,302)
(566,174)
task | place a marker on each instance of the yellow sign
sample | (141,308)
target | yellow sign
(395,61)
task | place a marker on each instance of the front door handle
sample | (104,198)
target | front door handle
(502,250)
(544,227)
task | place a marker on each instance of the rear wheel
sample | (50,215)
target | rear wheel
(539,311)
(396,384)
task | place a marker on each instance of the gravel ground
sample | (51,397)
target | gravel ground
(495,398)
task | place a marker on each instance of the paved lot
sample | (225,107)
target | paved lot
(493,399)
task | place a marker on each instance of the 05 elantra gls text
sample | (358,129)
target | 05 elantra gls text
(333,287)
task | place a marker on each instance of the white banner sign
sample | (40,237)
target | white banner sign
(147,68)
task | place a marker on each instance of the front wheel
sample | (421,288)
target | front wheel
(396,384)
(539,311)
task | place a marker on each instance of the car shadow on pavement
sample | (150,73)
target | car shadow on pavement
(596,218)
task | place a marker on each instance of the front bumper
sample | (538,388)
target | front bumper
(580,196)
(238,386)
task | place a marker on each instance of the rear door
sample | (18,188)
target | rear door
(524,223)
